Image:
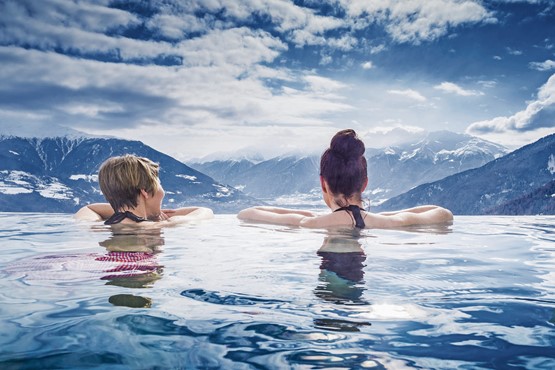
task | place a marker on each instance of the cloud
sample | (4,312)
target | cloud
(81,15)
(223,84)
(418,20)
(367,65)
(452,88)
(543,66)
(175,27)
(414,21)
(536,120)
(512,51)
(377,49)
(241,47)
(538,113)
(489,84)
(408,93)
(323,84)
(172,69)
(53,25)
(296,24)
(97,31)
(325,60)
(64,66)
(393,135)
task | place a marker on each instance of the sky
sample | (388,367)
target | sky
(221,78)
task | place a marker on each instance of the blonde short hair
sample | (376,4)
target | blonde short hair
(122,178)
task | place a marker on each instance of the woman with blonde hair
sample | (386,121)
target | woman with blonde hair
(134,193)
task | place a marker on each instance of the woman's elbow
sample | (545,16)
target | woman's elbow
(308,222)
(205,212)
(246,214)
(198,213)
(444,215)
(87,214)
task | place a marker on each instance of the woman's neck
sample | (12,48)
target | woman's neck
(348,202)
(137,211)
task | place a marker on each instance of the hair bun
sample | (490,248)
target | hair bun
(346,144)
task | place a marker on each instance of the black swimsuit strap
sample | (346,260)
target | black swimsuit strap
(355,210)
(118,217)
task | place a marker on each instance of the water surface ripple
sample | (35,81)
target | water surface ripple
(478,294)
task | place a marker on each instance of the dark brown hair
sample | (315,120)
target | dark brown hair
(343,166)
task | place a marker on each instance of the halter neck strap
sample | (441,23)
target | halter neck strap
(118,217)
(355,210)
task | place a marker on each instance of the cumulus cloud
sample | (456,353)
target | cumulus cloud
(242,47)
(408,93)
(205,69)
(452,88)
(82,27)
(57,25)
(82,15)
(298,25)
(175,27)
(535,121)
(221,85)
(543,66)
(410,21)
(68,62)
(418,20)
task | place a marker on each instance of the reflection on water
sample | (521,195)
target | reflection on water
(341,278)
(130,261)
(479,294)
(134,253)
(341,270)
(130,300)
(134,240)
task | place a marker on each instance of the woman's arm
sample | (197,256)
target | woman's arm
(95,212)
(285,211)
(427,215)
(280,216)
(418,209)
(189,213)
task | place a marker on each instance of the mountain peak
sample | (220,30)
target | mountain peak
(40,130)
(522,172)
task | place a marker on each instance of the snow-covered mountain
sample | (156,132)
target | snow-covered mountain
(517,183)
(392,171)
(39,130)
(59,174)
(396,170)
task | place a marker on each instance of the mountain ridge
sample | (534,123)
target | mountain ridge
(392,170)
(478,190)
(59,174)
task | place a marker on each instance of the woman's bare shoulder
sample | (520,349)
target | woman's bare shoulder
(327,220)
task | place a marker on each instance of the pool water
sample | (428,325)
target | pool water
(477,294)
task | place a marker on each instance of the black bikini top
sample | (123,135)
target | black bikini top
(355,210)
(118,217)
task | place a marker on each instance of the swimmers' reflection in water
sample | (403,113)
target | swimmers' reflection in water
(341,279)
(341,270)
(133,263)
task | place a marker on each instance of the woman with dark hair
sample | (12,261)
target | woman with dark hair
(343,177)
